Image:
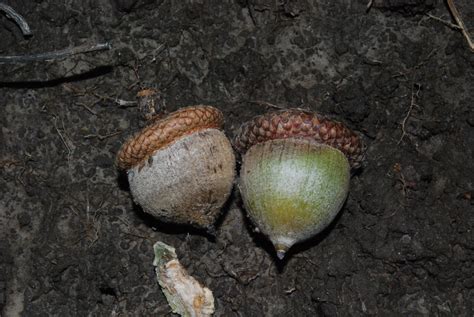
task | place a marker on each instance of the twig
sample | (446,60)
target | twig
(100,98)
(125,103)
(86,107)
(459,21)
(290,290)
(19,20)
(451,25)
(102,137)
(120,102)
(266,104)
(369,5)
(81,49)
(414,95)
(69,151)
(127,224)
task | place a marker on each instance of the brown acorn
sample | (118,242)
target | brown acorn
(295,173)
(181,167)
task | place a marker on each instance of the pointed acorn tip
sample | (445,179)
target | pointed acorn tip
(280,254)
(281,250)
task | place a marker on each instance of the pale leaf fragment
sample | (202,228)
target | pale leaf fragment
(186,296)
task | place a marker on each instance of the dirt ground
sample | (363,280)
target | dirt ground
(72,243)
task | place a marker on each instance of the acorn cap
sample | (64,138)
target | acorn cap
(297,123)
(165,131)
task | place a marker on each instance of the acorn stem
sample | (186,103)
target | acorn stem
(151,104)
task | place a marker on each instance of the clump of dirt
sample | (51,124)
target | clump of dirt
(73,243)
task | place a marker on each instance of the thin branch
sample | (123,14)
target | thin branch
(125,103)
(414,97)
(369,5)
(87,108)
(81,49)
(19,20)
(69,151)
(459,21)
(451,25)
(266,104)
(102,137)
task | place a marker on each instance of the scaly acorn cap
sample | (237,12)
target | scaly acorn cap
(298,123)
(165,131)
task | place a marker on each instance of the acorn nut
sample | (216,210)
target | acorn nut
(181,167)
(295,173)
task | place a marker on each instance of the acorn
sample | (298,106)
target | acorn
(181,167)
(295,173)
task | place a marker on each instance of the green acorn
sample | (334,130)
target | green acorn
(295,173)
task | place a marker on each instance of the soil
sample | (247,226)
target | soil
(72,243)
